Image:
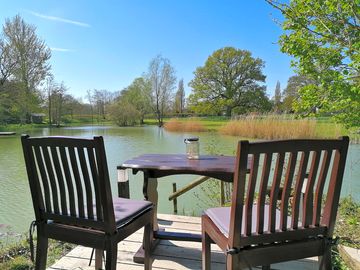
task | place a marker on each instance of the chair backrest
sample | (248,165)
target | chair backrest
(69,181)
(305,170)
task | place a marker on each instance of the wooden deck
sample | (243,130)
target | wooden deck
(168,254)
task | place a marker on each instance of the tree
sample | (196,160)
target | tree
(138,94)
(29,58)
(57,98)
(124,113)
(180,98)
(7,63)
(12,102)
(50,88)
(226,81)
(323,37)
(162,77)
(277,98)
(291,93)
(71,106)
(102,99)
(132,103)
(90,99)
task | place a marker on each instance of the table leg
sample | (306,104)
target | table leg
(150,194)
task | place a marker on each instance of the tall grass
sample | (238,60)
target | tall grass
(188,125)
(279,128)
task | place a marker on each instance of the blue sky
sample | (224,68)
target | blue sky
(107,44)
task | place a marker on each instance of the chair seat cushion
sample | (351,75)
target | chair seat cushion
(221,217)
(126,210)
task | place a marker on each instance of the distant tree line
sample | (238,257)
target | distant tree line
(231,81)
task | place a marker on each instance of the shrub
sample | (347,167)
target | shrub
(18,263)
(124,114)
(181,126)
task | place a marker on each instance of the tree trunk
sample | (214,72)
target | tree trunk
(159,118)
(49,97)
(228,111)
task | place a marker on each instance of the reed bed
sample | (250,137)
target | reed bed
(181,126)
(276,128)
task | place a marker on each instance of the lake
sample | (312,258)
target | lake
(122,143)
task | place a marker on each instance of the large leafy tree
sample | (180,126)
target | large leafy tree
(324,39)
(228,82)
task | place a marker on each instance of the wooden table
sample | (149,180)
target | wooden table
(155,166)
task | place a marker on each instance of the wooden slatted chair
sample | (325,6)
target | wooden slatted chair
(259,232)
(72,198)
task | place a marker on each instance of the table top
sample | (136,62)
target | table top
(180,162)
(221,167)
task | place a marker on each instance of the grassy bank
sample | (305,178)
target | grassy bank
(20,128)
(16,256)
(23,128)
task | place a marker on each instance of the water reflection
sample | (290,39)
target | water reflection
(122,144)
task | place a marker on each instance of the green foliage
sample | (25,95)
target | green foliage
(133,103)
(123,113)
(18,263)
(348,222)
(15,255)
(138,94)
(291,93)
(31,53)
(337,262)
(324,39)
(23,66)
(230,81)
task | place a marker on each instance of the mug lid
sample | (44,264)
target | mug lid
(193,139)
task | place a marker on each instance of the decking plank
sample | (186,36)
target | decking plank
(169,255)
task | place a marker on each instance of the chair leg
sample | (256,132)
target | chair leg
(148,238)
(41,252)
(206,251)
(325,260)
(232,263)
(111,256)
(99,255)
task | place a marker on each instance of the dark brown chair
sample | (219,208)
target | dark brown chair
(72,198)
(259,232)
